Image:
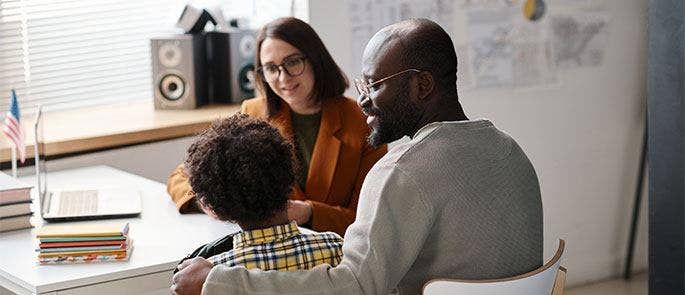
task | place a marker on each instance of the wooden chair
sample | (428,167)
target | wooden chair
(548,279)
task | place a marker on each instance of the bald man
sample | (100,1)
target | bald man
(460,199)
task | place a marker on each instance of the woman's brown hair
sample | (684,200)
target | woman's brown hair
(329,80)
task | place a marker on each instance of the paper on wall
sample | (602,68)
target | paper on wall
(579,39)
(497,46)
(506,50)
(368,17)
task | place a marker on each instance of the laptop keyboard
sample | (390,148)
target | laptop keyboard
(78,203)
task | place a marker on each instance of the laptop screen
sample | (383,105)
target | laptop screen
(39,154)
(112,202)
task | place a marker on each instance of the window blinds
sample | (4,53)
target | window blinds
(71,53)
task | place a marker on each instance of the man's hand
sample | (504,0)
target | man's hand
(192,274)
(299,211)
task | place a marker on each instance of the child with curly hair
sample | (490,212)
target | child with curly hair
(242,170)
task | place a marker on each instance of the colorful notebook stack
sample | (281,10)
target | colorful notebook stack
(15,204)
(84,243)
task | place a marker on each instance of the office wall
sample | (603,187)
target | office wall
(583,136)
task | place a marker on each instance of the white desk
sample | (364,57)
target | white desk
(161,237)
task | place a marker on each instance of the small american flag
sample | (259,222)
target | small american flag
(13,128)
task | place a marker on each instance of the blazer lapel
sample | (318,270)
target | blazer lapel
(325,154)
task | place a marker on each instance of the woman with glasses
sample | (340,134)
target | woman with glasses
(301,93)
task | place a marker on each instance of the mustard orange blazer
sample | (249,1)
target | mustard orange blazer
(340,160)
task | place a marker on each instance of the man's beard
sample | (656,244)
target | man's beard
(395,121)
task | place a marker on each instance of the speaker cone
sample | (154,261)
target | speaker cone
(172,87)
(246,78)
(170,54)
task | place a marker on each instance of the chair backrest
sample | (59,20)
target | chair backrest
(539,281)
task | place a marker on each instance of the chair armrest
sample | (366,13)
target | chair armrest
(559,281)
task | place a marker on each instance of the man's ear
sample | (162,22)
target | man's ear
(425,83)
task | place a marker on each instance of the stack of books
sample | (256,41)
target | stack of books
(15,204)
(84,243)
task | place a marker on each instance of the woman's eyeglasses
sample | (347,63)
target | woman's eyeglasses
(292,66)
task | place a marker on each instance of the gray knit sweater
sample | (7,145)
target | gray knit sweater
(460,200)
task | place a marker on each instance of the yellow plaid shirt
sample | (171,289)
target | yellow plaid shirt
(281,247)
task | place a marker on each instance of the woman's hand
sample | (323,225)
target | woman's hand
(300,211)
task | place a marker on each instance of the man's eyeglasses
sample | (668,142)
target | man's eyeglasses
(365,88)
(293,66)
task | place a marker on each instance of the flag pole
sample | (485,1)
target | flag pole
(14,161)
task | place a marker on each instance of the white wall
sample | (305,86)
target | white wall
(583,137)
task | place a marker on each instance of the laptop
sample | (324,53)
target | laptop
(79,204)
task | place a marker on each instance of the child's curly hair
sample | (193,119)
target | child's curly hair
(242,169)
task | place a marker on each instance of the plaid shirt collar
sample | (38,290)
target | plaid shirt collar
(265,235)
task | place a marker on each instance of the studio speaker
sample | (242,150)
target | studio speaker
(230,57)
(179,75)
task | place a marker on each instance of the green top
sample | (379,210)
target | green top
(305,129)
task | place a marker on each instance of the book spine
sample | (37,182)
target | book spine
(75,249)
(88,258)
(80,239)
(15,209)
(81,253)
(82,259)
(80,235)
(27,215)
(15,223)
(46,245)
(83,230)
(13,196)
